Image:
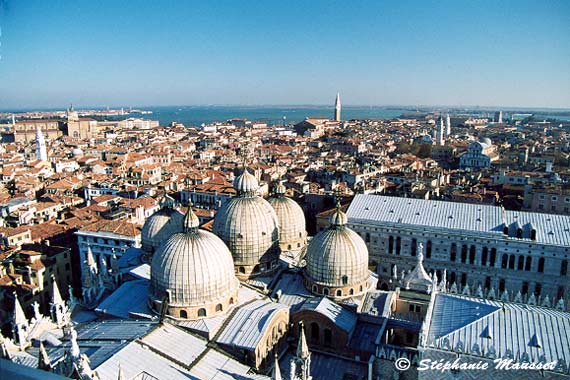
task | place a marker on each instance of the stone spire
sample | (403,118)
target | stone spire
(121,374)
(418,279)
(74,351)
(337,107)
(41,151)
(43,360)
(20,325)
(276,374)
(58,309)
(301,363)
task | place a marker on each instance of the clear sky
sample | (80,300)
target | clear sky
(119,52)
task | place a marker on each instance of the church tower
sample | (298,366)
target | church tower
(337,108)
(447,126)
(41,150)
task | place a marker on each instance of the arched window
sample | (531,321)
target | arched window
(256,269)
(528,263)
(339,293)
(414,247)
(564,267)
(345,279)
(219,307)
(398,245)
(472,255)
(453,252)
(202,312)
(487,282)
(231,301)
(537,289)
(367,238)
(428,249)
(315,289)
(484,254)
(391,244)
(326,291)
(520,265)
(351,292)
(463,279)
(505,261)
(288,246)
(361,288)
(242,270)
(183,314)
(493,257)
(512,262)
(533,234)
(328,337)
(506,230)
(452,278)
(315,332)
(464,253)
(541,265)
(502,285)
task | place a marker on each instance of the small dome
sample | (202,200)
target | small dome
(77,152)
(196,269)
(160,226)
(246,183)
(291,218)
(337,259)
(487,141)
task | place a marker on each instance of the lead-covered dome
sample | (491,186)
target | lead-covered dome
(194,272)
(160,226)
(292,226)
(248,225)
(337,260)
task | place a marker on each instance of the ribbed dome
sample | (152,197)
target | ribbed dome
(249,226)
(292,226)
(159,227)
(195,266)
(337,256)
(246,183)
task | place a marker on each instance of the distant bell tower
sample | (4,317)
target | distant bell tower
(41,151)
(337,108)
(71,114)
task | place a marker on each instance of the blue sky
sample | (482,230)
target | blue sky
(495,53)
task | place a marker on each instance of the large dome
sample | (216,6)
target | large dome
(337,260)
(160,226)
(292,226)
(193,269)
(249,226)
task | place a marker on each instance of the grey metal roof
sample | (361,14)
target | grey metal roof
(340,316)
(175,343)
(328,367)
(378,209)
(249,323)
(377,303)
(214,365)
(131,298)
(114,330)
(478,326)
(291,290)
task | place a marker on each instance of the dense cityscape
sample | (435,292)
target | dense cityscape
(323,248)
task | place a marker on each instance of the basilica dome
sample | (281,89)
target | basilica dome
(292,226)
(337,260)
(248,225)
(160,226)
(194,272)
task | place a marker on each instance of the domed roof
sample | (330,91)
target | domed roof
(290,215)
(246,183)
(248,224)
(487,141)
(195,266)
(337,256)
(77,152)
(161,225)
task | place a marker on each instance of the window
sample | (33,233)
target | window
(328,337)
(463,279)
(344,279)
(528,263)
(505,261)
(512,262)
(484,254)
(367,238)
(502,285)
(453,252)
(183,314)
(493,257)
(541,265)
(398,245)
(564,268)
(414,247)
(428,249)
(315,289)
(472,255)
(488,282)
(326,291)
(202,312)
(314,332)
(391,244)
(520,265)
(524,289)
(411,308)
(219,307)
(339,293)
(537,289)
